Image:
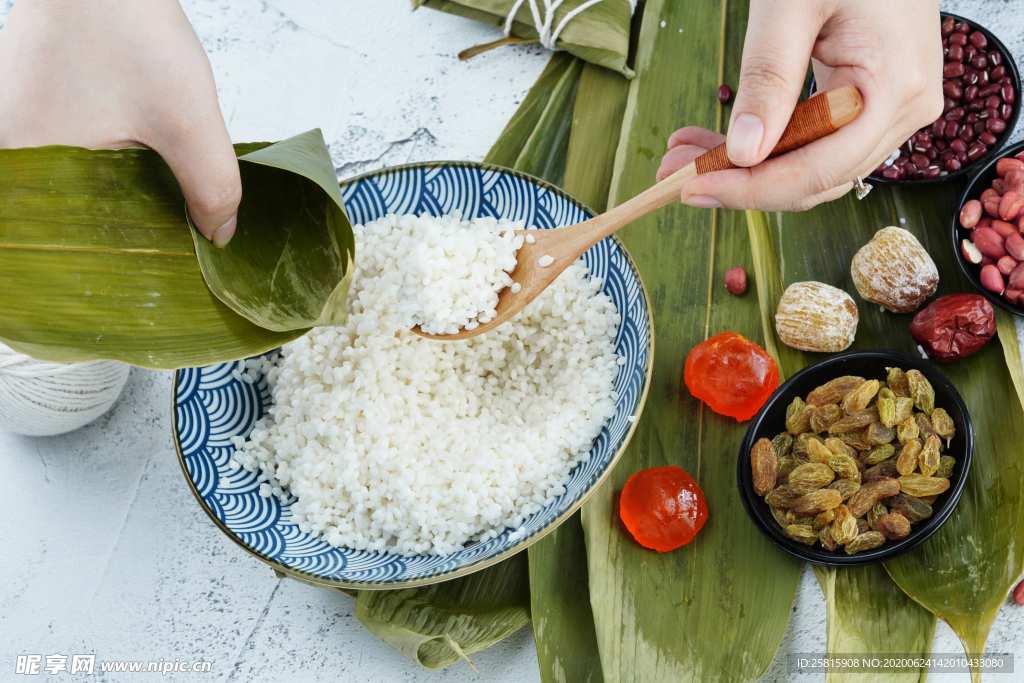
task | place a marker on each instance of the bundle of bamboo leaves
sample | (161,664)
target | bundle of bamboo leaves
(599,33)
(716,609)
(98,259)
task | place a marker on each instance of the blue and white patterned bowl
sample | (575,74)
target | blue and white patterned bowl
(210,406)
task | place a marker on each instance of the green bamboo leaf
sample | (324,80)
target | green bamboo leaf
(536,138)
(288,265)
(894,625)
(563,623)
(96,262)
(965,571)
(600,34)
(440,624)
(693,614)
(597,121)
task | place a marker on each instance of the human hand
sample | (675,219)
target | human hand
(892,52)
(120,73)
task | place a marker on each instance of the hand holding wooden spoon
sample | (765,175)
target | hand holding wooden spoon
(539,263)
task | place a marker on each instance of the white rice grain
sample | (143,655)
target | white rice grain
(383,441)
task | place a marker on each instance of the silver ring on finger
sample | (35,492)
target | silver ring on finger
(861,187)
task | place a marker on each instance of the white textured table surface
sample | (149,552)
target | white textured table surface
(104,549)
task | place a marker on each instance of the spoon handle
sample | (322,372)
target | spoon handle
(815,118)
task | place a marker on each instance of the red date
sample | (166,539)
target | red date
(954,326)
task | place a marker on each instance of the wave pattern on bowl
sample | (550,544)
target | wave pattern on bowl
(211,406)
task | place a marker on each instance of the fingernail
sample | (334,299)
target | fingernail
(702,201)
(745,137)
(222,235)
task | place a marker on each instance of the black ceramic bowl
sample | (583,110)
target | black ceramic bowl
(1012,72)
(979,183)
(871,364)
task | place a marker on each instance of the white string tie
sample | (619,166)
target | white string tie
(549,38)
(40,398)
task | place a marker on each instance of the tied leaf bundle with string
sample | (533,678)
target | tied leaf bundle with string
(594,30)
(39,398)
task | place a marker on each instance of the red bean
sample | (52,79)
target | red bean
(954,53)
(919,160)
(962,158)
(982,78)
(970,77)
(890,173)
(997,74)
(952,165)
(952,128)
(962,27)
(947,26)
(979,127)
(988,90)
(995,58)
(724,94)
(966,134)
(987,138)
(952,70)
(958,146)
(978,150)
(932,171)
(979,40)
(955,114)
(975,105)
(971,92)
(943,147)
(969,53)
(952,89)
(979,61)
(955,39)
(995,126)
(937,128)
(971,118)
(1005,111)
(1007,93)
(989,113)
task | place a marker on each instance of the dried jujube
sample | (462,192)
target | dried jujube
(954,326)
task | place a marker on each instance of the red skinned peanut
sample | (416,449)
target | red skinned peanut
(970,214)
(1014,245)
(989,242)
(1004,229)
(1010,205)
(992,279)
(1006,265)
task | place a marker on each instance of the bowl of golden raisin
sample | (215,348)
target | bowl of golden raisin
(856,459)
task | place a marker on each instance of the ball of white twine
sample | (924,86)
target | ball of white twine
(39,398)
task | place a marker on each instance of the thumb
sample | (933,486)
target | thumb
(776,52)
(203,161)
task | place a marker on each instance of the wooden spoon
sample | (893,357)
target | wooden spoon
(819,116)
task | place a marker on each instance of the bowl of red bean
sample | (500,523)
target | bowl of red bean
(980,83)
(989,230)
